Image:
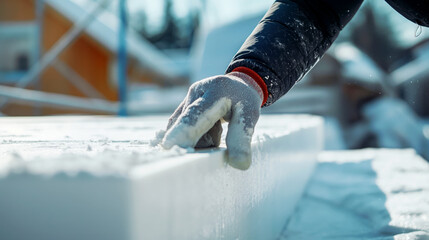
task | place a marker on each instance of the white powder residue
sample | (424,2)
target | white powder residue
(94,146)
(159,135)
(97,159)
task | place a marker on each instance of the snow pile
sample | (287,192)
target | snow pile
(365,194)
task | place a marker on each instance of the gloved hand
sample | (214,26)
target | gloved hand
(235,98)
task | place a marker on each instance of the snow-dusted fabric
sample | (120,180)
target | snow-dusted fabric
(235,98)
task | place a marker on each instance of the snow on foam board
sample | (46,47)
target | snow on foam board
(98,178)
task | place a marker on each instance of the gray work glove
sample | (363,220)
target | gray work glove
(235,98)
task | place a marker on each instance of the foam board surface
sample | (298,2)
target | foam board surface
(99,178)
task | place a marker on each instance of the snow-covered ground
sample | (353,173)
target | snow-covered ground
(364,194)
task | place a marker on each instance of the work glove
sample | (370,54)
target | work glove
(235,98)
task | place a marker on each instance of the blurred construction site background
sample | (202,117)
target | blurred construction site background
(134,57)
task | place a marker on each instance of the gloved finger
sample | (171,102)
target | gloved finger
(211,138)
(176,114)
(197,119)
(239,136)
(193,94)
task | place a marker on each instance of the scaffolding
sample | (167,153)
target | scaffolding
(95,101)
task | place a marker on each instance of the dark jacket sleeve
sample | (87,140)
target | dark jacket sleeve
(416,11)
(290,39)
(294,34)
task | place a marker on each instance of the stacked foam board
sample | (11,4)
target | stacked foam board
(99,178)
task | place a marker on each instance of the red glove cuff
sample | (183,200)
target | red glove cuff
(256,78)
